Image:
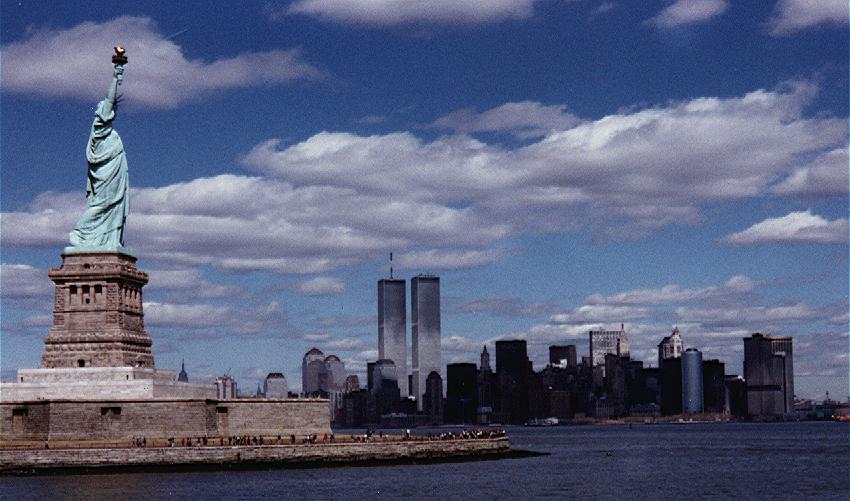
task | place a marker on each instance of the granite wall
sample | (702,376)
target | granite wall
(124,419)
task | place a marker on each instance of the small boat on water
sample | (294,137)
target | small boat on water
(551,421)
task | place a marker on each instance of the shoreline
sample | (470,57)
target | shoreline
(248,457)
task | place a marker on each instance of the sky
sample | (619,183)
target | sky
(561,165)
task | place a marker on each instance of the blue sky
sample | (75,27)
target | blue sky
(562,165)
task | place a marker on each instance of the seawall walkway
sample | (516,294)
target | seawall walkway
(250,456)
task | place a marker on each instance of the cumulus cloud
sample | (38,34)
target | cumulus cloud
(525,119)
(506,306)
(791,16)
(600,313)
(346,344)
(321,286)
(825,175)
(63,62)
(336,199)
(23,281)
(345,321)
(394,12)
(188,283)
(673,293)
(796,227)
(212,321)
(683,12)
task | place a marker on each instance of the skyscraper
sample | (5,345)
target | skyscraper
(713,385)
(512,370)
(332,374)
(461,394)
(311,366)
(432,399)
(671,346)
(275,386)
(425,323)
(605,342)
(563,356)
(392,327)
(486,383)
(692,391)
(769,373)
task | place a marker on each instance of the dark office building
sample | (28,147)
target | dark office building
(736,395)
(538,397)
(563,355)
(461,393)
(432,401)
(652,385)
(512,375)
(385,387)
(769,373)
(671,387)
(615,384)
(713,385)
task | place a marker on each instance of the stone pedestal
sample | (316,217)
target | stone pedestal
(97,313)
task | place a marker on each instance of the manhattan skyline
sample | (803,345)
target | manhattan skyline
(562,166)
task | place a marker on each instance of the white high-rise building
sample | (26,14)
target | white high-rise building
(392,327)
(671,346)
(425,323)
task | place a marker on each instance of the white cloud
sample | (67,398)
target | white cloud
(436,259)
(826,174)
(75,62)
(336,199)
(525,119)
(209,321)
(673,293)
(753,316)
(600,313)
(683,12)
(321,286)
(346,344)
(23,281)
(791,16)
(506,306)
(393,12)
(795,227)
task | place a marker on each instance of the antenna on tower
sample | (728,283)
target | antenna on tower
(391,265)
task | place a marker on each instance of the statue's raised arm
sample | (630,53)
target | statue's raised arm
(101,226)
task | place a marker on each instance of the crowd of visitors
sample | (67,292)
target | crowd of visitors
(368,436)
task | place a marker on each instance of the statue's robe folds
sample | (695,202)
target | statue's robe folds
(101,226)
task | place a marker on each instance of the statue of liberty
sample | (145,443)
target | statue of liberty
(101,226)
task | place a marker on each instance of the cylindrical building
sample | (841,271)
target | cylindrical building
(692,401)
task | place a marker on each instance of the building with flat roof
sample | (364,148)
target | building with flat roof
(512,368)
(461,393)
(769,375)
(425,323)
(692,390)
(392,327)
(563,356)
(713,386)
(604,342)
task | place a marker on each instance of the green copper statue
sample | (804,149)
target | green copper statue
(101,226)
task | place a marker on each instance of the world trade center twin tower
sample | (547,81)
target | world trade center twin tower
(425,326)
